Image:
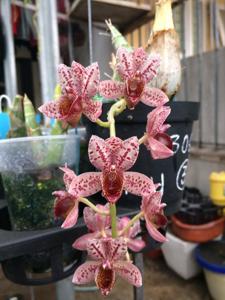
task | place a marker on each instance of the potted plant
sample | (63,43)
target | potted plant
(29,165)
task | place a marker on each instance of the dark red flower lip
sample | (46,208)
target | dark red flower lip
(105,280)
(112,183)
(165,139)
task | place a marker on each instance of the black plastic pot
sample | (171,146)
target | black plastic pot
(169,172)
(196,209)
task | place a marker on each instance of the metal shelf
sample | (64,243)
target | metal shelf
(125,14)
(19,248)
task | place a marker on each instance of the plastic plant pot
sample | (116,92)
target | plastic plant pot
(197,233)
(195,216)
(30,172)
(179,256)
(211,257)
(210,214)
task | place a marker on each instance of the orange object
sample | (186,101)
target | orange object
(198,233)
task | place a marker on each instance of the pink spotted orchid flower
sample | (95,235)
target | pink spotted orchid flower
(136,70)
(97,225)
(78,85)
(152,209)
(108,260)
(67,202)
(114,157)
(158,142)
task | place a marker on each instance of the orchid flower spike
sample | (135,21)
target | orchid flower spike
(113,157)
(78,86)
(152,209)
(158,142)
(97,225)
(67,202)
(136,70)
(108,260)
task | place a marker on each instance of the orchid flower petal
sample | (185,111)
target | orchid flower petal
(89,219)
(94,221)
(111,89)
(68,176)
(91,80)
(51,109)
(158,150)
(86,184)
(124,63)
(66,108)
(98,152)
(96,249)
(135,229)
(139,58)
(107,249)
(149,67)
(156,118)
(78,74)
(82,242)
(66,79)
(154,233)
(165,127)
(103,222)
(153,97)
(129,272)
(122,223)
(115,248)
(92,109)
(137,183)
(72,217)
(128,153)
(136,245)
(114,144)
(86,272)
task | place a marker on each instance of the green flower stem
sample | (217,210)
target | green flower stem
(132,221)
(92,206)
(113,220)
(115,110)
(142,139)
(102,123)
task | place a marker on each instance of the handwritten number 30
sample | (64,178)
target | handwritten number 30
(176,143)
